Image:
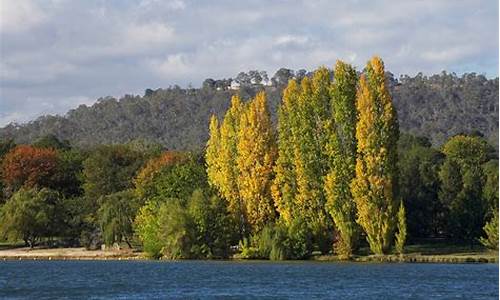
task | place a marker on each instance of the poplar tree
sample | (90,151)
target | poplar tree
(228,156)
(341,152)
(256,154)
(284,188)
(401,234)
(309,159)
(212,153)
(221,157)
(375,185)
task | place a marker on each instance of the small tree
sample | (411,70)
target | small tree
(212,225)
(176,230)
(491,229)
(116,216)
(401,234)
(146,227)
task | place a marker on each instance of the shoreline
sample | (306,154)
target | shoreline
(81,254)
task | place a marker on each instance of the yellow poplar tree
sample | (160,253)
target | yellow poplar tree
(341,151)
(221,157)
(256,154)
(374,187)
(212,153)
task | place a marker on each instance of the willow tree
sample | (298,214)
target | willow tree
(221,158)
(341,152)
(375,185)
(255,159)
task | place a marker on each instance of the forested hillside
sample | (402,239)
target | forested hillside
(438,106)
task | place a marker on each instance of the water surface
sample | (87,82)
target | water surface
(236,280)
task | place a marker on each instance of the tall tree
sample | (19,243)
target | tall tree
(313,107)
(284,187)
(419,166)
(375,185)
(229,139)
(212,153)
(256,154)
(221,157)
(341,152)
(462,181)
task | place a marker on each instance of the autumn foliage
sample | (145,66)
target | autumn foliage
(153,166)
(28,166)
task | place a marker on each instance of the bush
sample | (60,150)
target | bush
(196,228)
(491,229)
(279,242)
(146,228)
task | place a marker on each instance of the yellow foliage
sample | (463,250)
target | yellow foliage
(377,133)
(255,159)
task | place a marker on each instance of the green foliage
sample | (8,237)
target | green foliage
(462,181)
(147,148)
(401,233)
(341,152)
(69,175)
(198,227)
(28,215)
(116,214)
(491,230)
(146,227)
(176,230)
(437,106)
(279,242)
(110,169)
(212,225)
(177,181)
(490,190)
(419,166)
(298,189)
(51,141)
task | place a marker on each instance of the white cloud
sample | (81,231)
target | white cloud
(450,54)
(148,33)
(172,66)
(20,15)
(291,39)
(52,50)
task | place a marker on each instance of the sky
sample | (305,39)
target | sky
(58,54)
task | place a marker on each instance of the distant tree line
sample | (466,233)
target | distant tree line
(331,173)
(438,107)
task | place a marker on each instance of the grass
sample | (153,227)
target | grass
(437,251)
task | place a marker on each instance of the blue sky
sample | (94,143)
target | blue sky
(58,54)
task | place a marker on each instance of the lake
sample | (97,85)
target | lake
(236,280)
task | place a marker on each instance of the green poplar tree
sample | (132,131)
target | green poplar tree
(341,153)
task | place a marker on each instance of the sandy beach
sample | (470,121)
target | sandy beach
(26,253)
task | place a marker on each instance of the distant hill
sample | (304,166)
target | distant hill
(438,107)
